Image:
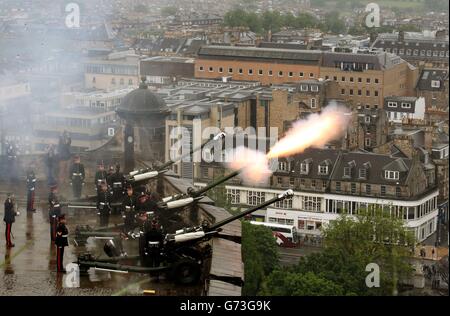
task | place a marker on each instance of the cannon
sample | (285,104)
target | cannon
(82,233)
(181,255)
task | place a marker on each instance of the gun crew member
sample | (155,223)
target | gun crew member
(31,188)
(117,183)
(129,210)
(77,177)
(104,204)
(9,218)
(61,241)
(100,176)
(53,213)
(152,242)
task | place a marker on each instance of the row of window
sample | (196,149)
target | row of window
(113,81)
(416,52)
(250,72)
(359,92)
(352,79)
(368,189)
(404,105)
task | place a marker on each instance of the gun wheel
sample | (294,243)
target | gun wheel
(186,272)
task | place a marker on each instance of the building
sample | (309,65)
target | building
(427,48)
(166,70)
(266,65)
(364,78)
(330,182)
(399,109)
(432,85)
(116,71)
(97,99)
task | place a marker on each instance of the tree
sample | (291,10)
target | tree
(260,256)
(333,23)
(272,21)
(282,283)
(350,244)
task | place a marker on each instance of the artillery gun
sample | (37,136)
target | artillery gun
(181,254)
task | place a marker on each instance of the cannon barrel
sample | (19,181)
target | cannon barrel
(171,162)
(287,194)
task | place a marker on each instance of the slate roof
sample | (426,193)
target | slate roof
(428,75)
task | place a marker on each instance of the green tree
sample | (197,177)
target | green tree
(282,283)
(272,21)
(333,23)
(260,256)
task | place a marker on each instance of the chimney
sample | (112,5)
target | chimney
(401,36)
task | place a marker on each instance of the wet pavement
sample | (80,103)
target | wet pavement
(30,267)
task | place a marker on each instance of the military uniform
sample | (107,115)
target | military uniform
(100,176)
(117,183)
(61,241)
(31,187)
(77,175)
(53,214)
(151,243)
(9,218)
(129,212)
(104,206)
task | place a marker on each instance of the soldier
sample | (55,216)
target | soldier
(153,237)
(62,234)
(11,154)
(31,187)
(117,181)
(51,164)
(129,210)
(100,176)
(54,212)
(9,218)
(77,177)
(104,204)
(109,176)
(64,155)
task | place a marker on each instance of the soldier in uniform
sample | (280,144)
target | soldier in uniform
(104,204)
(117,182)
(11,154)
(153,240)
(31,187)
(9,218)
(100,176)
(64,155)
(61,241)
(77,177)
(54,212)
(129,210)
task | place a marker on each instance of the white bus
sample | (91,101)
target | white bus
(286,235)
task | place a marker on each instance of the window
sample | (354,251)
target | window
(311,75)
(391,175)
(304,168)
(270,73)
(398,191)
(323,169)
(280,74)
(368,142)
(359,92)
(255,197)
(350,92)
(351,79)
(338,186)
(376,80)
(383,190)
(347,172)
(260,72)
(201,68)
(368,80)
(342,91)
(241,71)
(291,74)
(392,104)
(343,79)
(220,70)
(301,74)
(234,196)
(230,70)
(353,188)
(280,180)
(435,84)
(367,119)
(408,52)
(130,82)
(335,78)
(250,72)
(122,82)
(363,173)
(282,166)
(304,87)
(314,88)
(406,105)
(368,189)
(367,93)
(311,203)
(360,80)
(210,69)
(286,203)
(313,183)
(313,103)
(376,93)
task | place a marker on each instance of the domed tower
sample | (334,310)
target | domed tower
(144,114)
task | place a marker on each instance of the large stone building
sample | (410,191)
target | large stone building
(364,78)
(430,50)
(433,86)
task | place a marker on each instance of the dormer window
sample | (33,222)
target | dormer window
(282,166)
(323,170)
(406,105)
(435,84)
(347,172)
(391,175)
(363,173)
(367,119)
(304,167)
(392,104)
